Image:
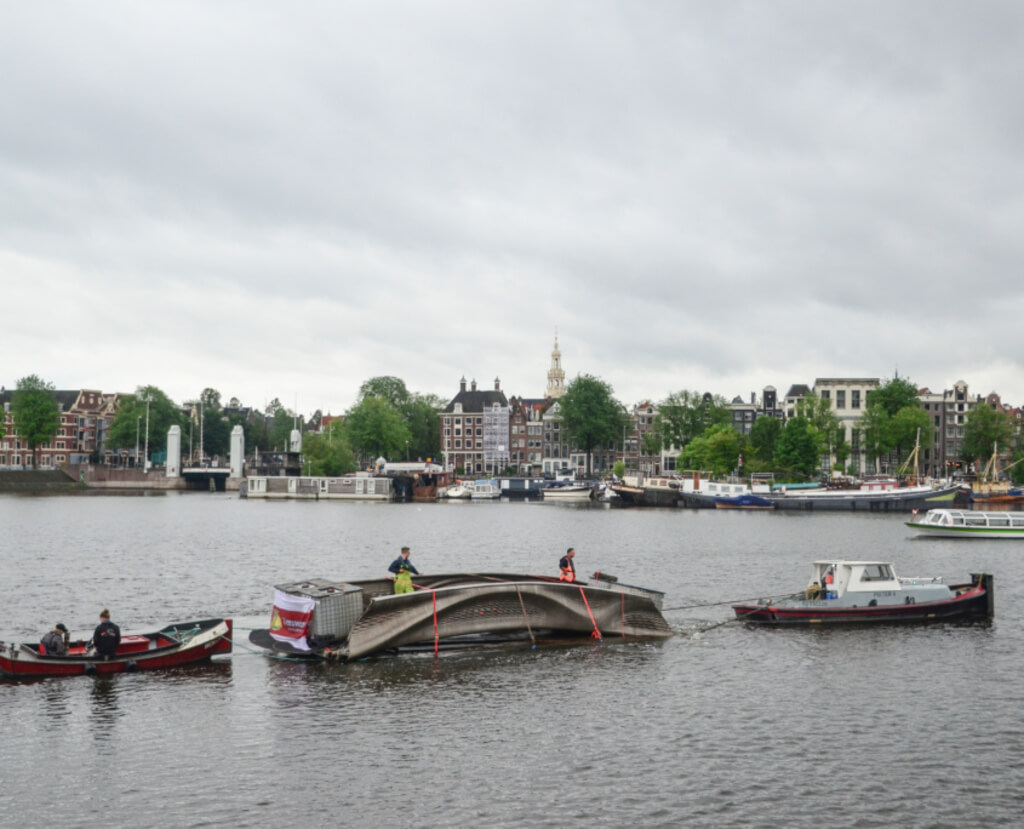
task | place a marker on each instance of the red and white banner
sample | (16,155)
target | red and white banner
(289,621)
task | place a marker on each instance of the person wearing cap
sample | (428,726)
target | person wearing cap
(567,570)
(107,635)
(55,642)
(403,570)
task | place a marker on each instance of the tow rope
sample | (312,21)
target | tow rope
(525,617)
(731,601)
(597,633)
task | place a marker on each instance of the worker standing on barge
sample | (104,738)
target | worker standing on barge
(567,570)
(403,570)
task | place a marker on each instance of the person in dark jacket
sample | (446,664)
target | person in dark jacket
(403,571)
(567,570)
(403,561)
(56,641)
(107,635)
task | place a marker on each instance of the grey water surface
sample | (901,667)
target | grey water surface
(722,725)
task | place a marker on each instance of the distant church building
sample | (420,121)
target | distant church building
(556,376)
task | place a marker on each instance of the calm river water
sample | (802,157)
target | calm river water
(722,725)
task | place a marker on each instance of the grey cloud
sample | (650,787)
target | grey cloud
(712,196)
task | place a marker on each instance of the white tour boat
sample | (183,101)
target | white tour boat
(955,523)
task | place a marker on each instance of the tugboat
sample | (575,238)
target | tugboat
(853,592)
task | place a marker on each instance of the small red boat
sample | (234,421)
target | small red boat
(178,644)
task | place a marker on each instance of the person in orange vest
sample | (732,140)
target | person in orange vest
(829,580)
(566,567)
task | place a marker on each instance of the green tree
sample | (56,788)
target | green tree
(1016,468)
(208,425)
(798,449)
(35,412)
(685,415)
(375,428)
(420,412)
(210,398)
(831,433)
(132,419)
(590,414)
(279,429)
(424,424)
(391,389)
(328,452)
(893,421)
(893,395)
(216,433)
(820,415)
(764,434)
(717,450)
(986,431)
(256,430)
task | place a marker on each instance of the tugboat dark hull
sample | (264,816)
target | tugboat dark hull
(974,601)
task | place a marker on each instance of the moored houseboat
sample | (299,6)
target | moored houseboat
(361,486)
(648,490)
(416,480)
(880,495)
(568,492)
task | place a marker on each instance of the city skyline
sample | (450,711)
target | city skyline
(285,202)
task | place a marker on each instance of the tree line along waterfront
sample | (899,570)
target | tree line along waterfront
(593,431)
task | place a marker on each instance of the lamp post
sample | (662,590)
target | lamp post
(138,420)
(145,462)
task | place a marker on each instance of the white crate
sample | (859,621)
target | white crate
(338,606)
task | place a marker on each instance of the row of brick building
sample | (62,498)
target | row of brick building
(485,432)
(85,417)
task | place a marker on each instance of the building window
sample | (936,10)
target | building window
(840,399)
(855,399)
(826,394)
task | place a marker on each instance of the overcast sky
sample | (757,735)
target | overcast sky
(285,199)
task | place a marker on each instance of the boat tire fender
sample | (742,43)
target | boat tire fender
(873,603)
(90,670)
(131,667)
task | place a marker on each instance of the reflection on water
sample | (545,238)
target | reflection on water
(56,702)
(103,710)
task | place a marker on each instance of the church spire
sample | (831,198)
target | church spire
(556,377)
